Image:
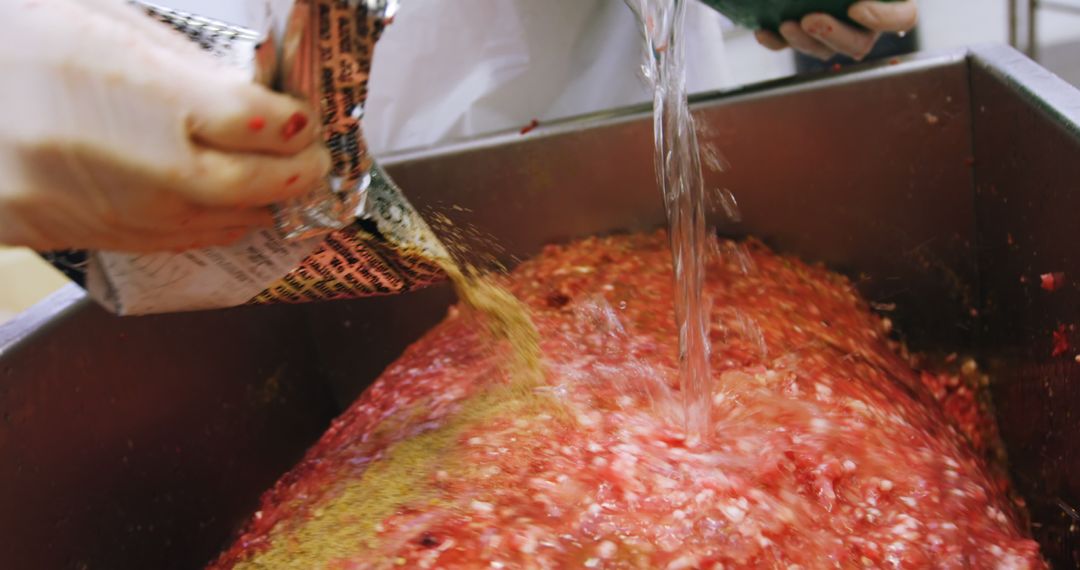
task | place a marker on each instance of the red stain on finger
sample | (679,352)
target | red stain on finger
(256,124)
(292,180)
(294,125)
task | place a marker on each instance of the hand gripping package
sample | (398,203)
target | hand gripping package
(354,235)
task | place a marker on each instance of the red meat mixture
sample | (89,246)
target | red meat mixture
(828,448)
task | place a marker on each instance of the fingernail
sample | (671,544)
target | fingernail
(256,124)
(294,125)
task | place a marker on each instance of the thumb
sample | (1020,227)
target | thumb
(885,16)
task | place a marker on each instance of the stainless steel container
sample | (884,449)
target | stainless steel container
(942,184)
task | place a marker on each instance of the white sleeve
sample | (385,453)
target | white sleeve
(452,69)
(434,65)
(706,59)
(449,70)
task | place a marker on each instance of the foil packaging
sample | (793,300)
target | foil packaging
(354,235)
(326,59)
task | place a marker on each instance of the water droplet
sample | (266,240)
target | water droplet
(725,202)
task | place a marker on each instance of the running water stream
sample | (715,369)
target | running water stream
(678,172)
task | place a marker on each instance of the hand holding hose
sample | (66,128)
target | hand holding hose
(823,36)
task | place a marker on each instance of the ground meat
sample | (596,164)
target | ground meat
(828,449)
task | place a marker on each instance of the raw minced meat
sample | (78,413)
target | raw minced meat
(828,448)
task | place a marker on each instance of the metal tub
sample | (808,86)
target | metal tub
(936,183)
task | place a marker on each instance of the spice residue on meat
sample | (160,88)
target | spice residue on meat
(825,444)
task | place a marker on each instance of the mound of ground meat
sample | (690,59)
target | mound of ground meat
(827,450)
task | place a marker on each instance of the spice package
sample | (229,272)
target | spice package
(354,235)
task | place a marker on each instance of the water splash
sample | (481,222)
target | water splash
(678,172)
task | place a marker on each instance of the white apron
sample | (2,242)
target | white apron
(452,69)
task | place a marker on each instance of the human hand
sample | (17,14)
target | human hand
(823,36)
(117,133)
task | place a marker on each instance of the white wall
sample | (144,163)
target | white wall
(951,23)
(954,23)
(944,24)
